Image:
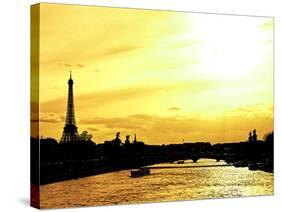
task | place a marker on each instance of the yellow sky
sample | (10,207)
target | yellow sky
(166,76)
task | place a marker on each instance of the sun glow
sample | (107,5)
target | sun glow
(232,46)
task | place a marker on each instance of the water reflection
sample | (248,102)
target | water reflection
(162,185)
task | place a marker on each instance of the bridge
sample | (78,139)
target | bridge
(185,167)
(228,157)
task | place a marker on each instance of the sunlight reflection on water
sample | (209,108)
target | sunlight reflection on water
(162,185)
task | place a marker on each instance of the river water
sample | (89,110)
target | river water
(162,185)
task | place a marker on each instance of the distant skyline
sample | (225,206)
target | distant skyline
(165,76)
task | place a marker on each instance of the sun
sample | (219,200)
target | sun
(229,49)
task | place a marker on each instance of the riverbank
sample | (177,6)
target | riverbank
(74,170)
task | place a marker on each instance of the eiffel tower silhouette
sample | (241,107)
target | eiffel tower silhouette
(70,133)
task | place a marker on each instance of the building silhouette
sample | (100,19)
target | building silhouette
(70,133)
(135,140)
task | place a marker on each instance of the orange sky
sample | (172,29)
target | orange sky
(166,76)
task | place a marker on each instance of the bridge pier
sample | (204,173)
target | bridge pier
(194,160)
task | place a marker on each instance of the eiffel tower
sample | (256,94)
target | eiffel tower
(70,133)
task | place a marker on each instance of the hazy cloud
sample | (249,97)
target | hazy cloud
(80,65)
(92,129)
(47,117)
(117,50)
(103,98)
(174,109)
(256,109)
(69,65)
(114,123)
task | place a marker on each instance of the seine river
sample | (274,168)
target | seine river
(162,185)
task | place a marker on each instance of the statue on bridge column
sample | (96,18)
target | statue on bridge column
(254,135)
(117,140)
(127,141)
(135,140)
(250,137)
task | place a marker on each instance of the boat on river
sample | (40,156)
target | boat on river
(240,163)
(254,166)
(140,172)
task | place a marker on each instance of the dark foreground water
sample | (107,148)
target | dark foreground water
(162,185)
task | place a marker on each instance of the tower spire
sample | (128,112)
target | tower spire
(70,133)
